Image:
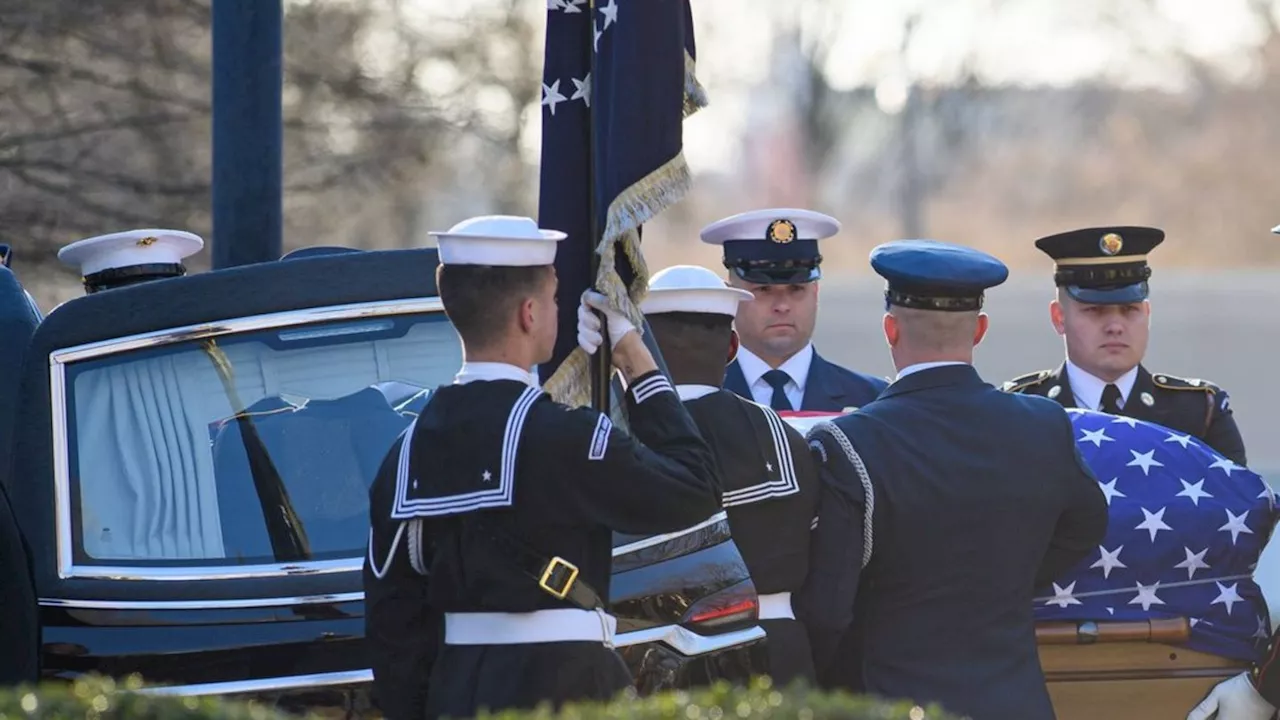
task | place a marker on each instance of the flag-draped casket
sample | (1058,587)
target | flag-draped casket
(1186,528)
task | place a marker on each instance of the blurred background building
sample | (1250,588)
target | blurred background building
(985,122)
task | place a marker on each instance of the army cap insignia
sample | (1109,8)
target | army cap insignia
(781,231)
(1111,243)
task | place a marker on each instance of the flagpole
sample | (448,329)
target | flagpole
(602,361)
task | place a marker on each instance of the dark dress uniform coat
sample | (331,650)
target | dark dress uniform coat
(828,387)
(771,498)
(494,480)
(960,500)
(1266,674)
(1194,407)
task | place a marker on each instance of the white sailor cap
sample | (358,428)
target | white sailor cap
(505,240)
(129,249)
(773,246)
(691,289)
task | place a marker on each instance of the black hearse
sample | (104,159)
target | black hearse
(190,464)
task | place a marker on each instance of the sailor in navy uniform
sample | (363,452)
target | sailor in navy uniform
(774,255)
(492,518)
(1103,314)
(130,257)
(959,501)
(770,481)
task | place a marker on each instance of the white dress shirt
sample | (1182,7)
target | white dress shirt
(478,371)
(1088,388)
(693,391)
(925,366)
(796,366)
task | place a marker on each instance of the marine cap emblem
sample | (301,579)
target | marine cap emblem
(147,241)
(781,231)
(1110,244)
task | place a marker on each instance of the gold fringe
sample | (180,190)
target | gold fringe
(695,96)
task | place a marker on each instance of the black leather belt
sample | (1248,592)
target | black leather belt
(554,575)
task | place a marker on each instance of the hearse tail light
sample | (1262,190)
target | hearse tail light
(732,608)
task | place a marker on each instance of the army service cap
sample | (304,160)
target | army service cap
(1103,265)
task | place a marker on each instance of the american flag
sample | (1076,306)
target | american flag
(636,98)
(1185,532)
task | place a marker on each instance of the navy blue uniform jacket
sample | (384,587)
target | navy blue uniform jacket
(829,387)
(977,498)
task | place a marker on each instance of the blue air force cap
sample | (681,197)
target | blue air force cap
(777,246)
(1103,265)
(933,275)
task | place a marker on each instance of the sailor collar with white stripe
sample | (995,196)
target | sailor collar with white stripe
(693,391)
(487,371)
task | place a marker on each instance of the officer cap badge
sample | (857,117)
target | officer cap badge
(781,231)
(1111,243)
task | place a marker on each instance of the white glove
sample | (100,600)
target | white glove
(589,337)
(1234,699)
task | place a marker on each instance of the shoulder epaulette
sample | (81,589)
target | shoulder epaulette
(1026,381)
(1173,382)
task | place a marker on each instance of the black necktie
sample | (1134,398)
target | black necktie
(1110,399)
(778,380)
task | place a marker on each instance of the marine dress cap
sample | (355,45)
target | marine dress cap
(933,275)
(777,246)
(498,240)
(1103,265)
(130,256)
(691,289)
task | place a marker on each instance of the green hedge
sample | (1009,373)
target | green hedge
(104,699)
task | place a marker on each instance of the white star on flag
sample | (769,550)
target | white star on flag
(1146,596)
(1194,562)
(554,5)
(1195,492)
(1183,440)
(1108,560)
(1153,522)
(1062,597)
(596,40)
(582,89)
(1227,596)
(1110,491)
(572,6)
(551,95)
(1235,525)
(1264,629)
(610,13)
(1225,465)
(1131,422)
(1095,437)
(1144,461)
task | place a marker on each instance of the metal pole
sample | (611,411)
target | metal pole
(602,361)
(248,131)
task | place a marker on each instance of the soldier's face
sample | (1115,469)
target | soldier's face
(1104,340)
(779,321)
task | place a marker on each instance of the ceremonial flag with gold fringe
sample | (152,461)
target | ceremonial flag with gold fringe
(611,133)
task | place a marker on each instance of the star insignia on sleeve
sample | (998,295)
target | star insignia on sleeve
(486,476)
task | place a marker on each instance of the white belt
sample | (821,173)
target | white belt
(776,606)
(562,625)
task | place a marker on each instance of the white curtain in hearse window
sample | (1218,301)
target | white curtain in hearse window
(145,422)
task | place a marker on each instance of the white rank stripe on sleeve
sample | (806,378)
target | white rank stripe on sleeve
(501,496)
(655,385)
(600,438)
(869,495)
(786,484)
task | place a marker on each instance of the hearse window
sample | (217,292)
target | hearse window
(248,448)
